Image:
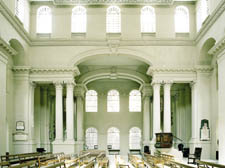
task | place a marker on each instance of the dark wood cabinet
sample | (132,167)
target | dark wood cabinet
(164,140)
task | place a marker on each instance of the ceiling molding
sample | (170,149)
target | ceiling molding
(218,48)
(207,24)
(4,47)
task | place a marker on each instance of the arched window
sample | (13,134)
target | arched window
(79,19)
(20,9)
(113,20)
(113,101)
(181,19)
(204,10)
(113,138)
(147,19)
(44,20)
(135,138)
(135,101)
(91,101)
(91,137)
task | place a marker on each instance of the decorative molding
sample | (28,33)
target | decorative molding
(218,48)
(6,47)
(53,70)
(210,20)
(120,2)
(79,90)
(18,26)
(146,90)
(154,70)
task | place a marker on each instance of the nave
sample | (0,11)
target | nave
(100,159)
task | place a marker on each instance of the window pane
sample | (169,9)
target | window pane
(91,137)
(91,101)
(20,9)
(181,19)
(113,101)
(44,20)
(135,101)
(113,20)
(147,19)
(135,138)
(79,19)
(113,138)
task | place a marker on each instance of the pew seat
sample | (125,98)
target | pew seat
(206,164)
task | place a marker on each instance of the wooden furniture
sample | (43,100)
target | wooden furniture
(57,165)
(174,164)
(164,140)
(205,164)
(153,161)
(114,151)
(26,164)
(103,162)
(90,165)
(196,156)
(120,162)
(135,161)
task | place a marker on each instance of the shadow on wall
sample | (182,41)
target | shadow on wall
(19,58)
(205,58)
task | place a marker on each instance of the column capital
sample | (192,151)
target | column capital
(156,82)
(58,84)
(168,82)
(33,84)
(79,90)
(70,84)
(146,90)
(193,83)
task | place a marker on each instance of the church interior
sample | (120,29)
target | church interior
(81,88)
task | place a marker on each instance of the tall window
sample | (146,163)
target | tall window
(113,138)
(113,20)
(91,101)
(204,10)
(91,137)
(135,101)
(135,138)
(202,13)
(181,19)
(147,19)
(113,101)
(20,9)
(44,20)
(79,20)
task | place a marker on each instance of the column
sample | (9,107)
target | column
(156,108)
(167,107)
(194,111)
(79,93)
(31,115)
(70,111)
(3,114)
(146,113)
(59,112)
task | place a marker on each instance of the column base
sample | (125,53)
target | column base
(79,146)
(68,147)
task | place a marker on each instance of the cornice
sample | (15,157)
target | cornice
(51,70)
(14,22)
(5,47)
(218,48)
(211,20)
(155,70)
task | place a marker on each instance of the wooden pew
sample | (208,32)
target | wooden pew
(103,162)
(120,164)
(25,164)
(153,161)
(205,164)
(90,165)
(47,159)
(175,164)
(60,164)
(135,161)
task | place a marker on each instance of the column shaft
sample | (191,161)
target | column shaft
(167,108)
(194,111)
(156,108)
(80,119)
(70,112)
(59,112)
(146,119)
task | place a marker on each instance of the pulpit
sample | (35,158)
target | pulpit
(164,140)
